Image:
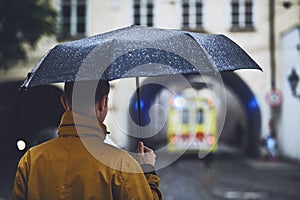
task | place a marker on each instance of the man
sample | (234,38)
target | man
(78,164)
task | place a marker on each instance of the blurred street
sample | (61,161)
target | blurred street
(230,177)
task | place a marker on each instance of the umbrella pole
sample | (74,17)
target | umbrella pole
(137,83)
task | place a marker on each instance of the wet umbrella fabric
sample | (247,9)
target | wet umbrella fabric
(138,51)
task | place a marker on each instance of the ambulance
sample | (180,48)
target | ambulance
(192,125)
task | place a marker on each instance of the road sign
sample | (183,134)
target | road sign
(274,98)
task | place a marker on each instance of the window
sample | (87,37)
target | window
(192,16)
(185,116)
(242,15)
(143,12)
(199,116)
(73,18)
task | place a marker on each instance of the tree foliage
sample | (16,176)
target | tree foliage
(23,21)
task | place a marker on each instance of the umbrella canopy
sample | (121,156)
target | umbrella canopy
(138,51)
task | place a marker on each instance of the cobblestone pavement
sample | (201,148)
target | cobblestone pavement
(230,178)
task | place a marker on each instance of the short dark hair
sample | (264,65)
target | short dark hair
(102,89)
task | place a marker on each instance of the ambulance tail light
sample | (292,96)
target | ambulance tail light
(211,140)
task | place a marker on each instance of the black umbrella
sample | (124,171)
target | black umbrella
(137,51)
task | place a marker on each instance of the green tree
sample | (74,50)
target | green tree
(23,22)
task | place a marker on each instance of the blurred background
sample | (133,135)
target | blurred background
(233,163)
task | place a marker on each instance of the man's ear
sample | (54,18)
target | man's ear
(64,102)
(100,106)
(103,103)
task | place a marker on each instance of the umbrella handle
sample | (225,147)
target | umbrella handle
(137,83)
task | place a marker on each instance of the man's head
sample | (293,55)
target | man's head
(87,97)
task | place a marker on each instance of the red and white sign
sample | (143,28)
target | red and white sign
(274,98)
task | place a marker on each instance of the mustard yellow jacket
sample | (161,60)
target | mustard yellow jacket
(79,165)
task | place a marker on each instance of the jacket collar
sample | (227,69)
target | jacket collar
(77,125)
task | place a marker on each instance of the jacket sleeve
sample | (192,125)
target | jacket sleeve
(153,180)
(136,185)
(20,182)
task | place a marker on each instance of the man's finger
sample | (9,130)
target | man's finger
(141,147)
(147,149)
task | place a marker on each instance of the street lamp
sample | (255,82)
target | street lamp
(293,80)
(287,4)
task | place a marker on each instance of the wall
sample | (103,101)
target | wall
(289,123)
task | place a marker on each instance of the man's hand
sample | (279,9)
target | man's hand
(145,154)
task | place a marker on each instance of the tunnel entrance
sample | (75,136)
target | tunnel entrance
(246,131)
(240,129)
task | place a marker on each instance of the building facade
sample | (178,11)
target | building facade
(288,122)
